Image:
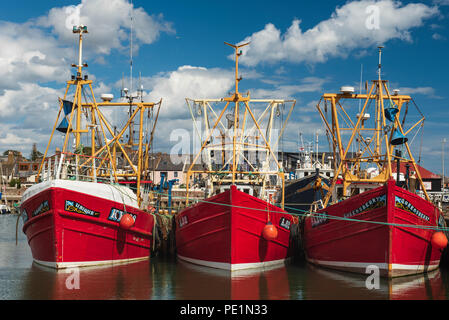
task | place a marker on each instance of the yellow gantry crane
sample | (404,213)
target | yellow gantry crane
(84,116)
(367,137)
(239,147)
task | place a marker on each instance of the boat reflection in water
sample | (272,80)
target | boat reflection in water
(131,281)
(195,282)
(168,279)
(328,284)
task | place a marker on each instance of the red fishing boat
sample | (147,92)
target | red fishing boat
(226,232)
(78,214)
(236,226)
(373,220)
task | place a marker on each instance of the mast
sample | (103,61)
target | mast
(240,136)
(377,136)
(237,99)
(100,163)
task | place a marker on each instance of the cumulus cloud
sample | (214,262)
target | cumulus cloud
(353,26)
(27,99)
(187,82)
(109,23)
(36,56)
(427,91)
(29,55)
(308,84)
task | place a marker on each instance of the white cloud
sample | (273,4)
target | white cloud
(30,55)
(441,2)
(427,91)
(308,84)
(187,82)
(346,30)
(28,99)
(437,36)
(108,23)
(38,53)
(12,141)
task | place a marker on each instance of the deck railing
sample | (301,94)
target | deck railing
(68,166)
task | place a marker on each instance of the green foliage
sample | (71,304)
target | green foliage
(14,182)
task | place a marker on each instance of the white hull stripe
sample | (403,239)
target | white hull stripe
(233,266)
(63,265)
(114,193)
(383,266)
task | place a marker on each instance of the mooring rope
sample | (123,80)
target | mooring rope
(304,213)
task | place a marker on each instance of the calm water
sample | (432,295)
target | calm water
(168,279)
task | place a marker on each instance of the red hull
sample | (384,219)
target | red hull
(66,228)
(225,232)
(353,245)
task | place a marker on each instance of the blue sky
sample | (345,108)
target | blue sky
(299,49)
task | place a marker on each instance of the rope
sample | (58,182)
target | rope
(17,227)
(162,217)
(124,209)
(305,213)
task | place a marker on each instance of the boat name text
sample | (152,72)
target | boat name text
(43,207)
(183,221)
(407,206)
(284,223)
(371,204)
(116,214)
(320,219)
(72,206)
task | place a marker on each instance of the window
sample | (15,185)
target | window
(175,174)
(339,192)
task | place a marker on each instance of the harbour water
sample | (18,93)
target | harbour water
(168,279)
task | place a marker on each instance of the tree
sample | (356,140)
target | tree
(15,153)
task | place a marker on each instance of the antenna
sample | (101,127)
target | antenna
(131,49)
(380,60)
(360,87)
(80,29)
(140,89)
(128,93)
(237,54)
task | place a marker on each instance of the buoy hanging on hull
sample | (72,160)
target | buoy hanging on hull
(439,240)
(270,232)
(127,221)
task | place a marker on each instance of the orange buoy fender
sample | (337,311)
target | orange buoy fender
(439,240)
(127,221)
(270,232)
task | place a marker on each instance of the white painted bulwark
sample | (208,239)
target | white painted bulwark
(115,193)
